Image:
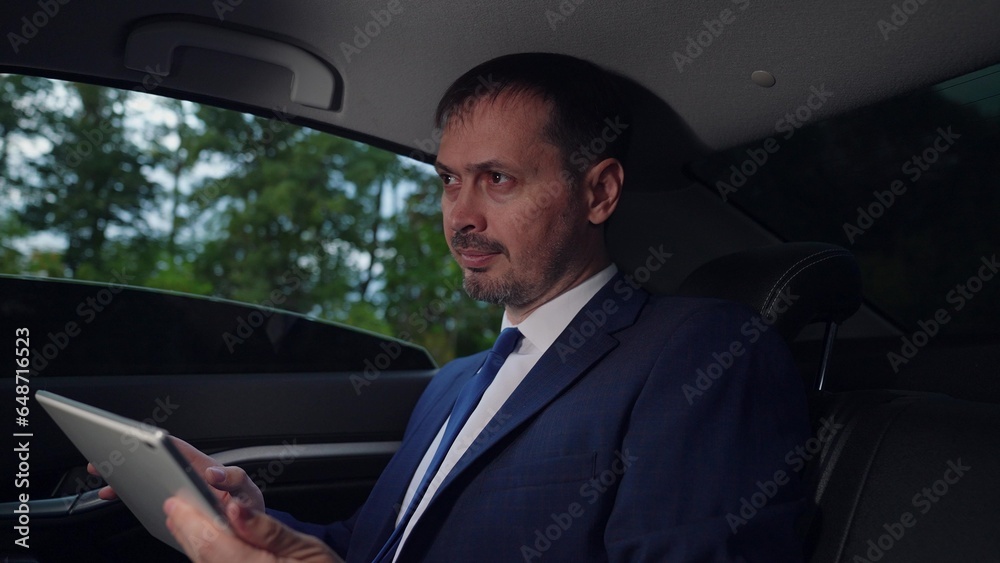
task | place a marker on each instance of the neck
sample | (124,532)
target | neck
(517,315)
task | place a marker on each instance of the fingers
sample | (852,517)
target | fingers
(237,483)
(202,538)
(256,537)
(225,478)
(229,479)
(107,493)
(263,532)
(198,460)
(104,493)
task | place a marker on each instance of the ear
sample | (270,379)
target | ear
(603,184)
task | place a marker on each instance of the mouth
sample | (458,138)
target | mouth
(474,252)
(474,259)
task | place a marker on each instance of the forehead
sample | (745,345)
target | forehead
(518,118)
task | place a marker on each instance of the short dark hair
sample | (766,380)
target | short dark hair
(586,103)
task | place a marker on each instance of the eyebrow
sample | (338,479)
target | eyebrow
(484,166)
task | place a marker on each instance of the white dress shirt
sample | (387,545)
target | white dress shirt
(540,330)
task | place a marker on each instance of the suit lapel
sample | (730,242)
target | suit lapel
(585,341)
(398,474)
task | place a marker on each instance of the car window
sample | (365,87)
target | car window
(910,186)
(114,186)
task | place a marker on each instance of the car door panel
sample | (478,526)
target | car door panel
(313,439)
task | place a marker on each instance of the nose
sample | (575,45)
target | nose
(463,211)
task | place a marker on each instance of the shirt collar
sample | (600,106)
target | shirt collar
(547,322)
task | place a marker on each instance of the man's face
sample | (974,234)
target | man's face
(512,221)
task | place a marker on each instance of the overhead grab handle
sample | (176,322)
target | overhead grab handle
(150,48)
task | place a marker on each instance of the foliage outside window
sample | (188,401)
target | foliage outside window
(197,199)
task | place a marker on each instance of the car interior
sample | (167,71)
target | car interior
(843,153)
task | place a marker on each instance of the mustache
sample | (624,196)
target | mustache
(477,243)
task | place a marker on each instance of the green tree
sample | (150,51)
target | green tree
(193,198)
(362,222)
(90,182)
(423,293)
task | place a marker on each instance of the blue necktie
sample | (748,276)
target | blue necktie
(467,400)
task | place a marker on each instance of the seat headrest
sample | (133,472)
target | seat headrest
(792,284)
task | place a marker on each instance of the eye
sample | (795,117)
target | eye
(497,178)
(447,179)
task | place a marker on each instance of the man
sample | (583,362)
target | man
(585,446)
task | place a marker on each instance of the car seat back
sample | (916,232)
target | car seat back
(891,475)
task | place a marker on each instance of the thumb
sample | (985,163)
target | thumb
(263,532)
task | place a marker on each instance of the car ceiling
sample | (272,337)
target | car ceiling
(390,85)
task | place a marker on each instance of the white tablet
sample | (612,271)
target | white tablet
(138,460)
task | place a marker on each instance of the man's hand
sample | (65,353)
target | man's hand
(229,483)
(255,537)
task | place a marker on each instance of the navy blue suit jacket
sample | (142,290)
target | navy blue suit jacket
(654,429)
